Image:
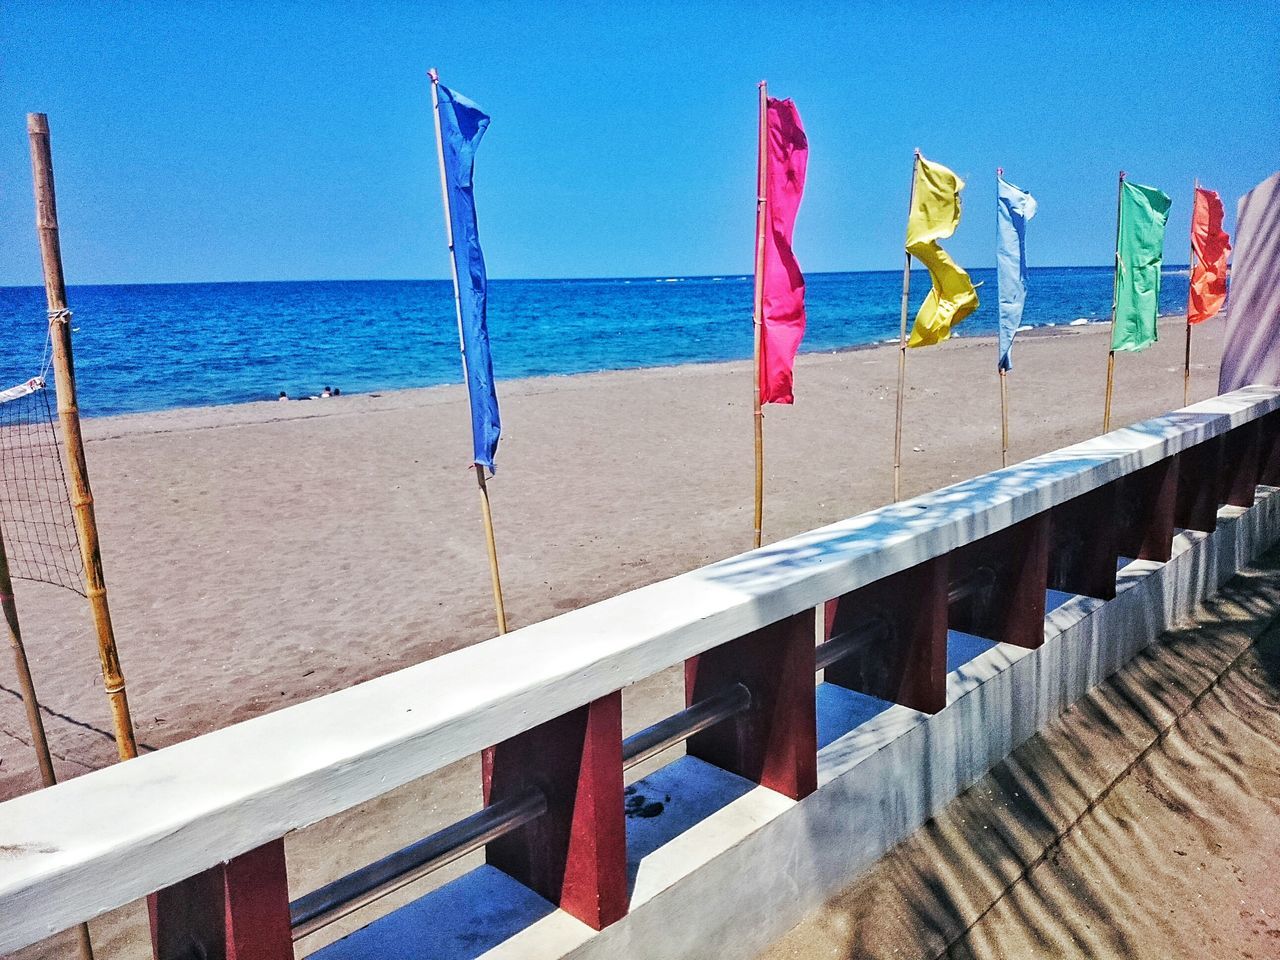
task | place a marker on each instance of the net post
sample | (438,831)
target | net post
(9,606)
(69,416)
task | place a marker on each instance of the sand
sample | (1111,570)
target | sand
(263,554)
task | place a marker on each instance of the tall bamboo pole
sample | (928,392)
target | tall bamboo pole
(902,343)
(1115,294)
(762,224)
(486,512)
(69,416)
(1191,269)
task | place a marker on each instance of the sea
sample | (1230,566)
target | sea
(158,346)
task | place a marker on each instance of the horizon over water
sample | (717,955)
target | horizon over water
(145,347)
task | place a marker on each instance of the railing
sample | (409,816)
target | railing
(199,826)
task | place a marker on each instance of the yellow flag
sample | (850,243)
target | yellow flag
(935,213)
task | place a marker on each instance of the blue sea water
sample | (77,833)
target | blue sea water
(157,346)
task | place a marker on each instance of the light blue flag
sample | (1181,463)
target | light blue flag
(1014,207)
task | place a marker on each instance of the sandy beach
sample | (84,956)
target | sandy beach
(264,554)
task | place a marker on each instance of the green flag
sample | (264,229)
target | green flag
(1139,250)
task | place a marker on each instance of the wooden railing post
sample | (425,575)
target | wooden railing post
(1084,544)
(1269,449)
(1145,511)
(1011,607)
(775,741)
(1199,486)
(1241,453)
(909,665)
(238,910)
(575,854)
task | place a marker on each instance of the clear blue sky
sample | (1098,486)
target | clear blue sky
(246,141)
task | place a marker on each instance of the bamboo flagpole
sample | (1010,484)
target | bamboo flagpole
(1004,386)
(1115,293)
(762,221)
(1191,269)
(486,512)
(69,417)
(902,344)
(1004,418)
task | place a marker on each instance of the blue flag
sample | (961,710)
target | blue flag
(462,124)
(1014,208)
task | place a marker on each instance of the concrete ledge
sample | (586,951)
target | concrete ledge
(721,868)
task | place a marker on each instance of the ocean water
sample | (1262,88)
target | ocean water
(157,346)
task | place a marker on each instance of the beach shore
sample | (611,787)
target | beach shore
(264,554)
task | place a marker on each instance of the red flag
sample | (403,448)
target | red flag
(1210,249)
(788,156)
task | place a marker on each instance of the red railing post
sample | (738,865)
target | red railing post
(238,910)
(1085,544)
(775,741)
(1014,563)
(1145,512)
(1199,486)
(1241,453)
(575,854)
(1269,449)
(909,664)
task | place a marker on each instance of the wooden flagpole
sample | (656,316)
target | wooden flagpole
(1115,293)
(1004,388)
(69,417)
(1191,269)
(27,687)
(762,219)
(902,343)
(485,511)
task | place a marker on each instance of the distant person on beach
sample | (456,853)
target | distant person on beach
(337,392)
(283,396)
(326,392)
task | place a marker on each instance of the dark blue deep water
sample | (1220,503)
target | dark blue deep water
(155,346)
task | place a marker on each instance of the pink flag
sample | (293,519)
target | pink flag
(788,156)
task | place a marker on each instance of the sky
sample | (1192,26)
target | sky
(281,141)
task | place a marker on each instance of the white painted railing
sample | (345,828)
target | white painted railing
(74,851)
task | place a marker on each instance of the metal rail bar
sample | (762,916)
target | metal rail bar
(362,887)
(680,726)
(979,579)
(843,644)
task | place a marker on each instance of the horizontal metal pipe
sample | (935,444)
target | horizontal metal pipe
(680,726)
(978,579)
(362,887)
(840,646)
